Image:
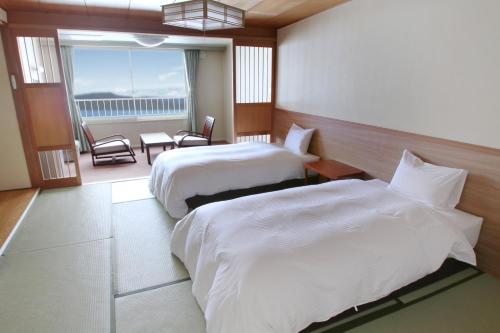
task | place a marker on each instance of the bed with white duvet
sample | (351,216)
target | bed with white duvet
(180,174)
(277,262)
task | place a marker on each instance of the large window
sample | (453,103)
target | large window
(129,82)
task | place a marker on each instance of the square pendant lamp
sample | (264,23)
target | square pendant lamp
(203,15)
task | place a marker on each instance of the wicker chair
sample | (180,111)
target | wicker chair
(109,147)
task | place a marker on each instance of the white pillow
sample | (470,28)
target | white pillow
(298,139)
(438,186)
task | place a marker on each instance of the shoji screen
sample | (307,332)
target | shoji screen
(254,67)
(253,90)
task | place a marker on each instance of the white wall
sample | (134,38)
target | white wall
(428,66)
(211,92)
(210,102)
(13,168)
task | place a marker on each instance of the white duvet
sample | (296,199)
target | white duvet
(277,262)
(180,174)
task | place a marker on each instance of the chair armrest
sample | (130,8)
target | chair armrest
(103,143)
(187,132)
(112,136)
(195,135)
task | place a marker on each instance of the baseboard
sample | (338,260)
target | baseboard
(220,142)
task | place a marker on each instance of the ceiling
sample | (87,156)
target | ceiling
(269,13)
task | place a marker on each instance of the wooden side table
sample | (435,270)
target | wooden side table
(332,170)
(155,140)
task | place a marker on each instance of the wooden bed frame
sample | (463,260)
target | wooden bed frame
(377,151)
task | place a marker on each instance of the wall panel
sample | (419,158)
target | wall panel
(377,151)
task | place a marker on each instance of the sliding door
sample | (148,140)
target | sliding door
(41,101)
(254,63)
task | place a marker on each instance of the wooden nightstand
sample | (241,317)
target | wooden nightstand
(332,170)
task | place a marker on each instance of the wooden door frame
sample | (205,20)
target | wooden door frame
(31,150)
(255,42)
(10,49)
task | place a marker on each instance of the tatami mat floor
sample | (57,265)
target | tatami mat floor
(170,309)
(65,216)
(143,260)
(130,190)
(81,263)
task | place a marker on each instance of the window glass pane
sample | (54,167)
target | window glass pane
(102,73)
(158,73)
(129,82)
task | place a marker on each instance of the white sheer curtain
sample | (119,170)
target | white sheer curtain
(76,119)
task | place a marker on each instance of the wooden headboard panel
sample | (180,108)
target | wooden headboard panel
(378,151)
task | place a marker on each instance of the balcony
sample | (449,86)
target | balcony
(131,116)
(131,107)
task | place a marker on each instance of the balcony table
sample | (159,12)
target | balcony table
(159,139)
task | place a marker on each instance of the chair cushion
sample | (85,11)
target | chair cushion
(113,147)
(190,140)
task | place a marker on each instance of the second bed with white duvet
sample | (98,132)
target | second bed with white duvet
(277,262)
(180,174)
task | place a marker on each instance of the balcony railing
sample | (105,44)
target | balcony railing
(132,107)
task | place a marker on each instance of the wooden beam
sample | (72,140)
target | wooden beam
(280,13)
(153,24)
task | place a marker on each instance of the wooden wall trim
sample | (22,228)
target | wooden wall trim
(24,128)
(151,24)
(40,129)
(253,118)
(378,151)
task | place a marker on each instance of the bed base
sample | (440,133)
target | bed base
(200,200)
(449,267)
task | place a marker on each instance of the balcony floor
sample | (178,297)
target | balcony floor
(114,172)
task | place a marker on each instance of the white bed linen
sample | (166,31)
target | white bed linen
(180,174)
(276,262)
(468,224)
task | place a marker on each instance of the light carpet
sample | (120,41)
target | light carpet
(116,172)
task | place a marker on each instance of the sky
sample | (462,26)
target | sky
(157,73)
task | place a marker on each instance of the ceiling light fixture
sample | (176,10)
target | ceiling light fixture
(203,15)
(150,40)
